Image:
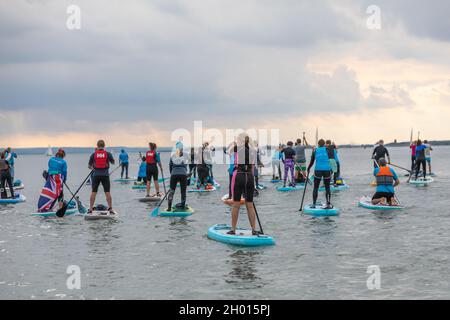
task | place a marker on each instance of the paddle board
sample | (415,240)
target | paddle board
(17,199)
(366,202)
(320,211)
(243,237)
(177,212)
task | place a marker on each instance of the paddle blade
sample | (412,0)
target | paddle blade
(62,211)
(155,212)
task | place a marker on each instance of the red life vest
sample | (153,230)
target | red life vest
(101,159)
(150,157)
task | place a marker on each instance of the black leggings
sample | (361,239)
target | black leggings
(318,175)
(337,174)
(424,167)
(413,162)
(124,168)
(6,177)
(182,179)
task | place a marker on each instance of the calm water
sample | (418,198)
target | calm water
(141,257)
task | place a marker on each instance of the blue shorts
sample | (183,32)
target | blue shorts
(428,159)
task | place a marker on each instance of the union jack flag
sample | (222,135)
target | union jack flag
(50,193)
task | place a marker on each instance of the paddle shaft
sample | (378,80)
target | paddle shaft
(257,217)
(61,212)
(304,192)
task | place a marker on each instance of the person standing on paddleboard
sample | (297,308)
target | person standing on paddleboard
(192,166)
(413,146)
(10,156)
(300,158)
(123,161)
(386,179)
(322,170)
(420,159)
(99,163)
(153,160)
(5,177)
(379,152)
(276,163)
(178,174)
(332,155)
(243,182)
(428,150)
(232,154)
(289,155)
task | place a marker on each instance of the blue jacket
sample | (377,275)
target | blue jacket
(58,166)
(10,158)
(123,157)
(142,170)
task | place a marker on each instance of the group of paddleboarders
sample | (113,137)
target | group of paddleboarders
(420,157)
(7,157)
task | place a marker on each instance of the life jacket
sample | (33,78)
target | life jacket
(322,159)
(101,159)
(150,157)
(385,177)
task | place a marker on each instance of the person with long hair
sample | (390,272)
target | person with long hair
(243,182)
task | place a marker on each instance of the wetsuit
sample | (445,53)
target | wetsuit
(123,160)
(243,183)
(385,177)
(289,155)
(420,160)
(322,170)
(334,162)
(178,174)
(100,161)
(378,153)
(5,177)
(202,171)
(230,174)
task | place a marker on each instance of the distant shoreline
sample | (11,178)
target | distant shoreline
(43,151)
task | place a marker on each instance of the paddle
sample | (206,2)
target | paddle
(81,208)
(114,169)
(155,211)
(62,211)
(410,172)
(304,192)
(257,217)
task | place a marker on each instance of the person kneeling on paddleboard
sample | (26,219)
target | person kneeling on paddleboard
(153,160)
(178,174)
(142,174)
(243,182)
(386,179)
(57,170)
(99,163)
(322,169)
(5,176)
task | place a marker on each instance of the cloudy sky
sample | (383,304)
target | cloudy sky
(139,69)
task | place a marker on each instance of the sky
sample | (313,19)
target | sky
(138,70)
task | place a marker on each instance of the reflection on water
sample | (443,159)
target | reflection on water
(244,273)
